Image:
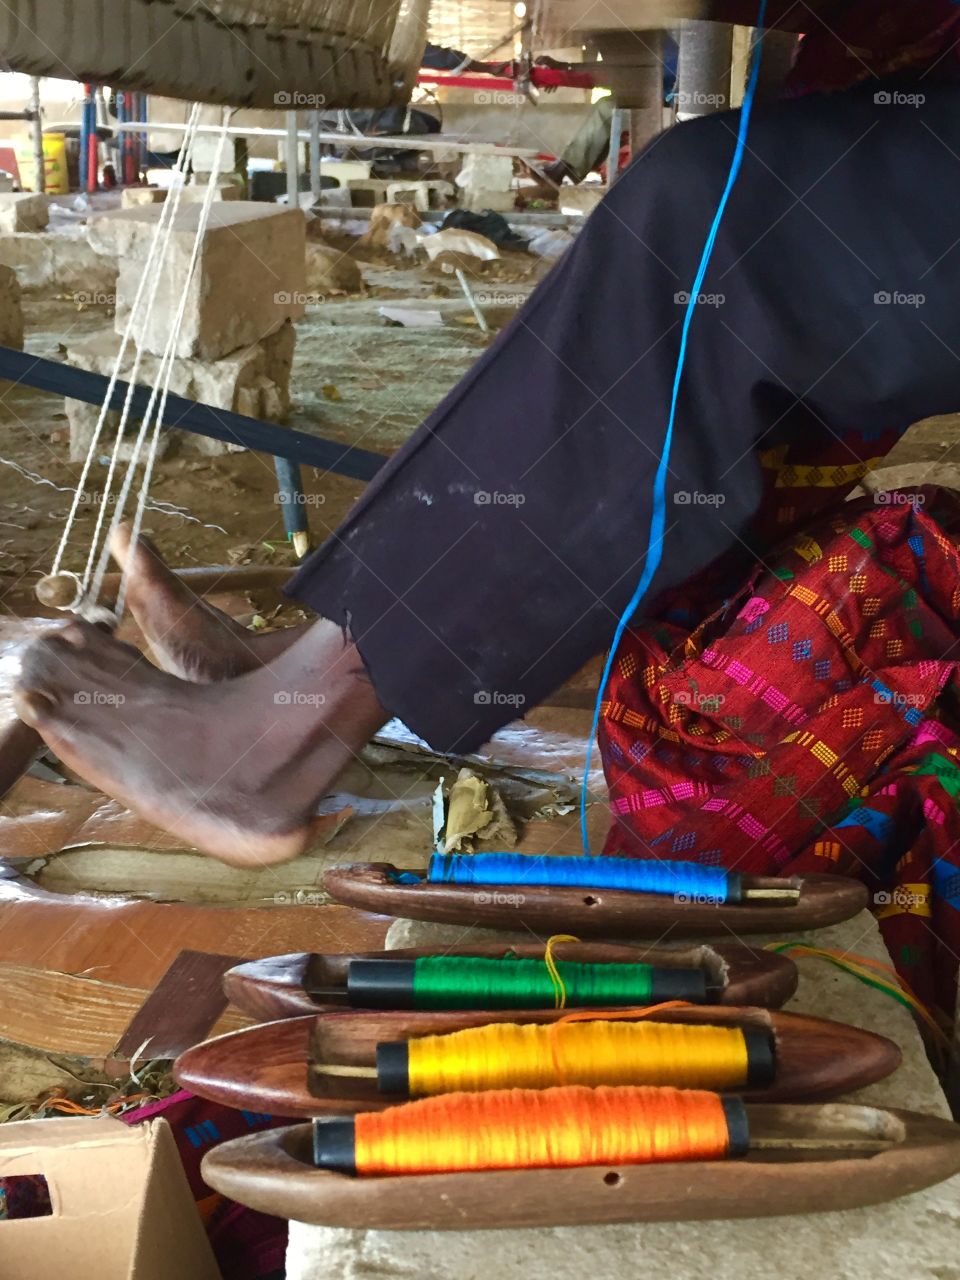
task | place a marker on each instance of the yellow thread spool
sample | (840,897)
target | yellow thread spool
(508,1055)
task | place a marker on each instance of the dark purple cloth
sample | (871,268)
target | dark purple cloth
(494,554)
(436,58)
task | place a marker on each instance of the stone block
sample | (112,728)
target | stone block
(206,148)
(249,281)
(330,271)
(915,1236)
(478,199)
(380,233)
(225,190)
(22,211)
(579,200)
(254,381)
(62,264)
(134,197)
(486,182)
(11,314)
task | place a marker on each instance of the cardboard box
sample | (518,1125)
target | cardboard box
(122,1209)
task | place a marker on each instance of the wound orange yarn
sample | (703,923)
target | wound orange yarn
(542,1129)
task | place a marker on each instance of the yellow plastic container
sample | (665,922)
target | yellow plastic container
(54,163)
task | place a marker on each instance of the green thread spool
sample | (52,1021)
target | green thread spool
(469,982)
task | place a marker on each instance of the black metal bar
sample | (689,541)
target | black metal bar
(188,415)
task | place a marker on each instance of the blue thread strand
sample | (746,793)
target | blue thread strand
(688,879)
(659,512)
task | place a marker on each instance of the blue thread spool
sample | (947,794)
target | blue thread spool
(681,880)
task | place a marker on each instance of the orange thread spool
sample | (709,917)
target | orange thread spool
(542,1129)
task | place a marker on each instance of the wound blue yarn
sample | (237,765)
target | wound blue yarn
(659,513)
(678,879)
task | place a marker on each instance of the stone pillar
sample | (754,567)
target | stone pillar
(634,63)
(703,69)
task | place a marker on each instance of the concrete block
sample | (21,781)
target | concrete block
(11,314)
(134,197)
(915,1236)
(423,194)
(365,193)
(22,211)
(254,381)
(249,281)
(59,264)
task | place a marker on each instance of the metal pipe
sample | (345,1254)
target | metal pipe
(292,159)
(316,184)
(613,154)
(357,142)
(39,159)
(289,484)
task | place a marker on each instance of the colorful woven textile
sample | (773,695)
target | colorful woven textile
(24,1196)
(811,723)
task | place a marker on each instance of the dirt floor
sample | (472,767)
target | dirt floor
(356,379)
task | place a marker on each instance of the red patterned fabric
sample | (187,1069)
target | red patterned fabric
(851,41)
(811,723)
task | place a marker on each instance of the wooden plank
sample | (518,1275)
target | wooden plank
(75,1015)
(180,1011)
(562,18)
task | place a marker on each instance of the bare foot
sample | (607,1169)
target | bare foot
(187,636)
(234,768)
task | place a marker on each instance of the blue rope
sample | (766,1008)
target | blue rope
(659,513)
(682,880)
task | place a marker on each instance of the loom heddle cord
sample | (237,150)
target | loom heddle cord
(473,982)
(678,879)
(528,1056)
(542,1129)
